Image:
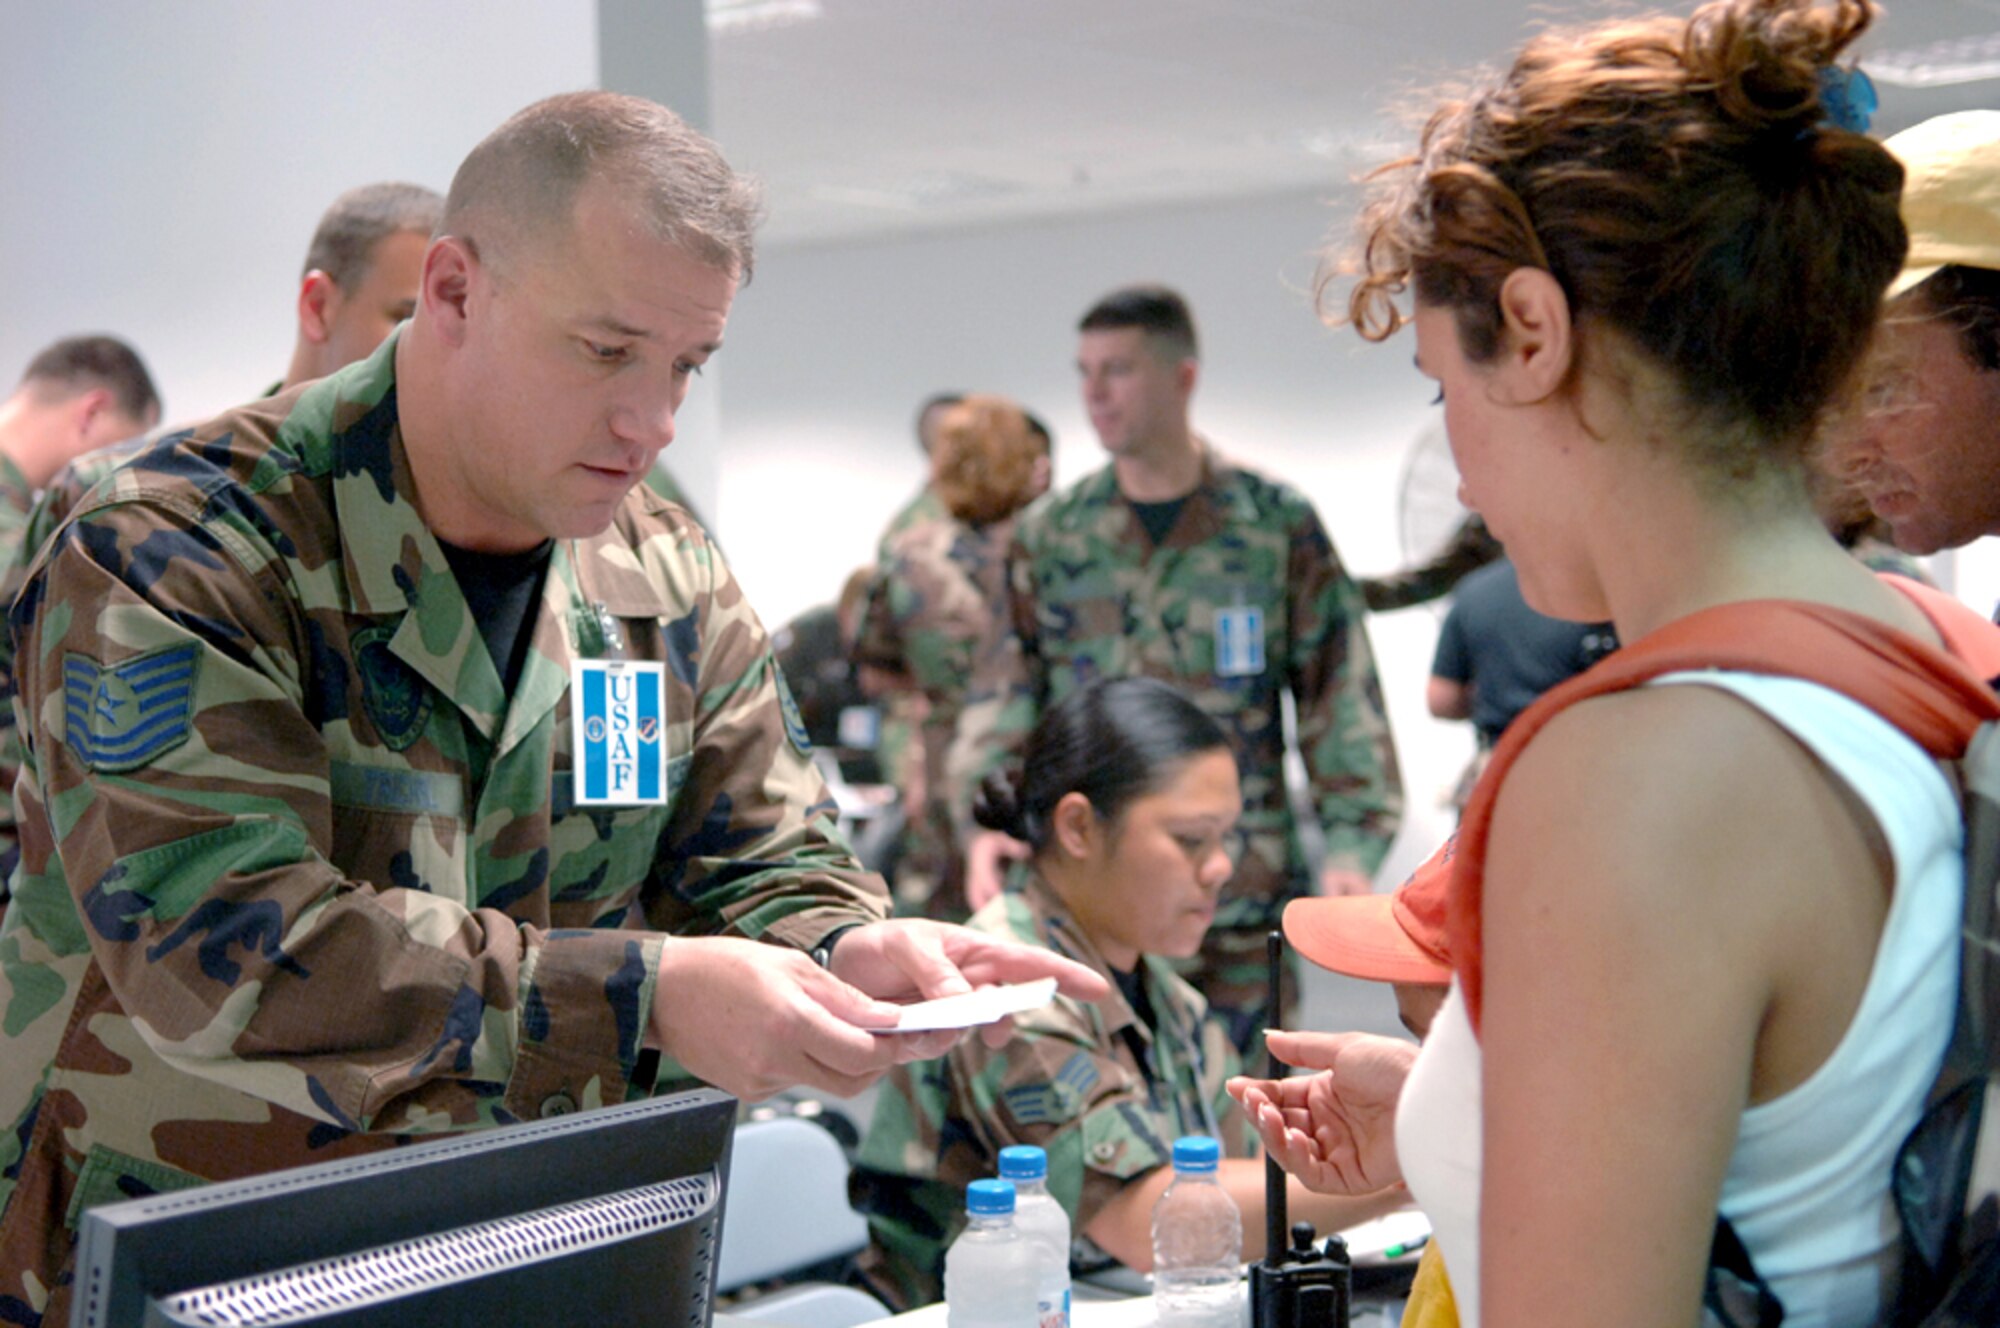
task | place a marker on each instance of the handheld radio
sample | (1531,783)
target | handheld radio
(1296,1284)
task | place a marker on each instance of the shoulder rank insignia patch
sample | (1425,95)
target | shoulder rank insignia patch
(1032,1104)
(1061,1099)
(795,724)
(1077,1078)
(120,716)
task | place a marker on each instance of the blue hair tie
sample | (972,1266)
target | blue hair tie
(1848,97)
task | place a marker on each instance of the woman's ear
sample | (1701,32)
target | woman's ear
(1074,827)
(1537,340)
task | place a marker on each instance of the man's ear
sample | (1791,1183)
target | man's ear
(446,291)
(319,300)
(1537,337)
(1074,826)
(86,407)
(1186,374)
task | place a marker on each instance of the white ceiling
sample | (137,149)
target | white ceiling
(893,117)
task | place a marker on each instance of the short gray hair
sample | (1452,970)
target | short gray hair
(524,178)
(343,245)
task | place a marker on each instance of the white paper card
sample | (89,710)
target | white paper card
(975,1008)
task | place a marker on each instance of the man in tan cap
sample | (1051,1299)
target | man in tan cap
(1927,450)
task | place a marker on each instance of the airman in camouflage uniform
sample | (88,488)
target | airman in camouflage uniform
(927,613)
(358,282)
(77,395)
(923,509)
(320,711)
(301,876)
(1091,596)
(44,514)
(932,604)
(1238,600)
(1071,1082)
(925,505)
(899,746)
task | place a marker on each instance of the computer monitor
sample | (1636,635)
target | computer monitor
(608,1216)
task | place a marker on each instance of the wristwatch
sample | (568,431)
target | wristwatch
(822,954)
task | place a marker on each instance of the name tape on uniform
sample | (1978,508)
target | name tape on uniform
(619,712)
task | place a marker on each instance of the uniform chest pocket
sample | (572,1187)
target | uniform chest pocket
(1234,626)
(599,858)
(397,828)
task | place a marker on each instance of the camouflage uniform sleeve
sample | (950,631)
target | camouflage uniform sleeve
(17,535)
(752,845)
(878,643)
(1343,730)
(1069,1095)
(181,791)
(1471,547)
(1008,689)
(17,501)
(55,502)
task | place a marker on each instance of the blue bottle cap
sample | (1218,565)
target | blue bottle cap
(1196,1153)
(989,1198)
(1023,1162)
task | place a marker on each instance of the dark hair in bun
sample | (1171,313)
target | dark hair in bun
(1113,740)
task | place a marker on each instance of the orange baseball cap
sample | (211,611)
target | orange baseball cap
(1397,937)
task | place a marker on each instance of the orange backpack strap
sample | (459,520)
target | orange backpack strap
(1965,634)
(1928,693)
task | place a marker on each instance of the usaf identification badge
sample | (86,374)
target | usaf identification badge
(618,709)
(1239,642)
(120,716)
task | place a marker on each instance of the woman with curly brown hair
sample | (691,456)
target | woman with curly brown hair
(1706,963)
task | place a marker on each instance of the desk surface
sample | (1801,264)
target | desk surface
(1135,1312)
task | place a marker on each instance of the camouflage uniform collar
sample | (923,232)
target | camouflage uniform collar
(1206,510)
(352,431)
(1057,928)
(14,486)
(347,427)
(604,572)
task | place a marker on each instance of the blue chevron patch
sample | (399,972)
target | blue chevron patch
(1077,1077)
(1032,1104)
(122,716)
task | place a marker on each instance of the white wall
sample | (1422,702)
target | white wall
(830,350)
(164,164)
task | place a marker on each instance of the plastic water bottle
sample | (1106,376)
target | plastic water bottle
(1197,1243)
(1045,1225)
(989,1271)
